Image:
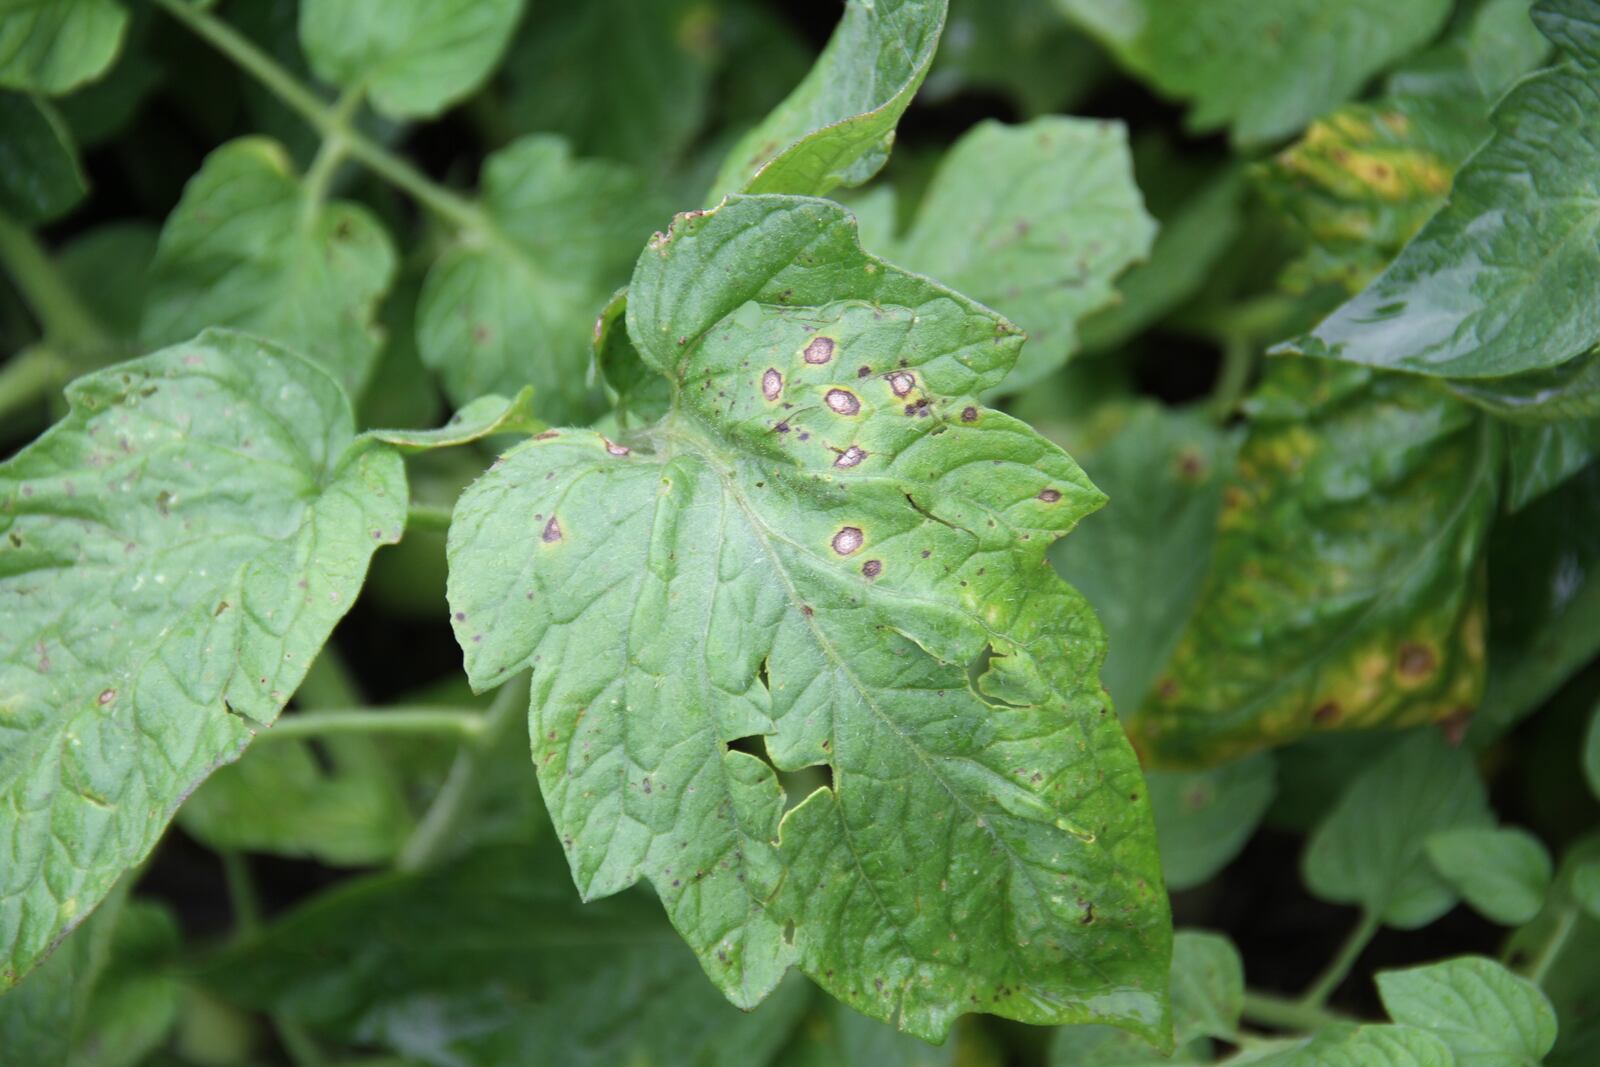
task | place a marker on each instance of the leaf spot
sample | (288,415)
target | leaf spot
(850,457)
(1416,661)
(847,540)
(819,351)
(1049,496)
(552,531)
(902,382)
(872,568)
(772,384)
(843,401)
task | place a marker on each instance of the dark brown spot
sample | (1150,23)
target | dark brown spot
(847,540)
(1327,713)
(772,384)
(1454,726)
(552,531)
(820,350)
(863,371)
(1049,496)
(1166,689)
(547,435)
(106,696)
(872,568)
(902,382)
(850,457)
(1416,661)
(969,414)
(843,401)
(1190,466)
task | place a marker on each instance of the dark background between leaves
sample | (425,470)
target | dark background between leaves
(1282,933)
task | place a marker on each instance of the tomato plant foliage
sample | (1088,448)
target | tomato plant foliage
(710,532)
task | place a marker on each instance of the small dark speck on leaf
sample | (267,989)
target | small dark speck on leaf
(872,568)
(552,531)
(772,384)
(1049,496)
(969,414)
(863,371)
(1416,661)
(106,696)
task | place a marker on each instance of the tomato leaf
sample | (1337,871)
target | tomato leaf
(508,967)
(837,126)
(1203,818)
(172,556)
(1488,1016)
(851,551)
(515,304)
(40,175)
(1503,873)
(1502,280)
(246,247)
(1323,608)
(1369,850)
(413,58)
(1046,251)
(56,46)
(1261,69)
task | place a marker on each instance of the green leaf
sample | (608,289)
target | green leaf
(1207,986)
(135,1000)
(1567,392)
(1488,1016)
(851,550)
(1574,25)
(40,176)
(1194,233)
(1541,458)
(837,126)
(246,247)
(1504,874)
(483,417)
(1047,250)
(412,58)
(1586,887)
(1562,946)
(833,1035)
(38,1021)
(227,513)
(1544,606)
(1203,818)
(1344,1045)
(1502,279)
(496,954)
(1324,607)
(57,45)
(1369,851)
(280,799)
(1023,49)
(654,94)
(1261,69)
(1143,559)
(516,305)
(109,268)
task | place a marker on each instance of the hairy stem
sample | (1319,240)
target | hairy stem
(326,119)
(67,324)
(319,176)
(1281,1013)
(1339,969)
(456,722)
(459,794)
(1540,966)
(1238,362)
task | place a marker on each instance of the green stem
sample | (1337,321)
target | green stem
(319,176)
(459,795)
(65,321)
(1281,1013)
(1339,969)
(28,377)
(458,722)
(432,517)
(282,84)
(1565,924)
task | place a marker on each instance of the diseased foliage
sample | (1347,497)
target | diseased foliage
(926,481)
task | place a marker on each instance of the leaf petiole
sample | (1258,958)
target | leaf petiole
(1336,972)
(461,722)
(1281,1013)
(66,323)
